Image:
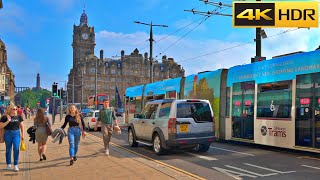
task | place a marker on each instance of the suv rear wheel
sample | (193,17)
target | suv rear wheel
(132,139)
(202,147)
(157,145)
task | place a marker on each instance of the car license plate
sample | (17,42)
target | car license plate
(184,128)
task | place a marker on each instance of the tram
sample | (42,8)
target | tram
(275,102)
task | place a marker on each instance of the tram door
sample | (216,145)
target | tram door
(242,110)
(308,110)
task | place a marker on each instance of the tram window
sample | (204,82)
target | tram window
(274,100)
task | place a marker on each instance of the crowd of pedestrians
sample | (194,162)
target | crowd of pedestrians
(11,123)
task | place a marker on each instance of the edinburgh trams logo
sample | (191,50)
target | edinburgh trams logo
(274,132)
(264,130)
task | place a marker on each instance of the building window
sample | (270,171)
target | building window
(119,65)
(161,68)
(107,64)
(92,70)
(119,79)
(107,70)
(113,79)
(275,100)
(113,71)
(119,72)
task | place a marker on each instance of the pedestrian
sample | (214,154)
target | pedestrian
(40,123)
(13,125)
(107,119)
(76,128)
(2,109)
(20,111)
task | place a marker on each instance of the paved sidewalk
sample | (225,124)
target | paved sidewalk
(92,163)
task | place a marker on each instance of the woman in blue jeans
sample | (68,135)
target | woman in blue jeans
(13,125)
(76,127)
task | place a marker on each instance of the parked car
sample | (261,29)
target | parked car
(166,124)
(91,119)
(85,112)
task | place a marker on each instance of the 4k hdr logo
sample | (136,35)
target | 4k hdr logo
(276,14)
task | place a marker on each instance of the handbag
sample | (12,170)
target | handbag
(2,131)
(48,128)
(117,129)
(23,146)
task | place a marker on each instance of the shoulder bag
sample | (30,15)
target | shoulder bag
(48,128)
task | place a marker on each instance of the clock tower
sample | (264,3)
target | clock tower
(83,40)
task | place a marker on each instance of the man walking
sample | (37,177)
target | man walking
(107,119)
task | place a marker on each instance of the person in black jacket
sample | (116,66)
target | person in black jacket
(76,128)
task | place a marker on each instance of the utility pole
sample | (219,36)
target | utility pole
(81,86)
(73,88)
(258,41)
(151,45)
(95,87)
(215,12)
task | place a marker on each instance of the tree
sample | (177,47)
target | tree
(31,97)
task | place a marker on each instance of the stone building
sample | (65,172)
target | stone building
(7,84)
(126,71)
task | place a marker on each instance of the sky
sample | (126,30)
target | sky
(38,35)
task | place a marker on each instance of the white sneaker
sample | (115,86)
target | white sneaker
(16,169)
(107,152)
(9,167)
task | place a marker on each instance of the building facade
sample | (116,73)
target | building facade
(125,71)
(7,82)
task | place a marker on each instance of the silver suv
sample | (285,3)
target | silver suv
(166,124)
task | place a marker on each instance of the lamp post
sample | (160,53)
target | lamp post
(82,69)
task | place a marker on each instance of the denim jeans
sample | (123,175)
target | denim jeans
(74,134)
(12,137)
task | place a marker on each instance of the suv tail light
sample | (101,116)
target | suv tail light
(172,125)
(93,120)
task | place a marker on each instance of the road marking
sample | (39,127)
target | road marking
(233,174)
(148,158)
(232,151)
(307,157)
(243,170)
(203,157)
(311,167)
(268,169)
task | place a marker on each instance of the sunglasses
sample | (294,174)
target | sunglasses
(14,109)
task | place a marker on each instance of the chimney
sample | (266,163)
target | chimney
(122,55)
(101,55)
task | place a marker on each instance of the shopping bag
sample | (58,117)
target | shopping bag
(23,146)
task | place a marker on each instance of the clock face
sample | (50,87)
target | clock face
(85,36)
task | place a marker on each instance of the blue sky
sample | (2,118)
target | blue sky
(38,35)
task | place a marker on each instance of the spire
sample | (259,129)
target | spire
(83,18)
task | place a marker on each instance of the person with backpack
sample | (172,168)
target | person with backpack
(107,119)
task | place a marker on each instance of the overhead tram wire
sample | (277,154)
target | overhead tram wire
(183,36)
(232,47)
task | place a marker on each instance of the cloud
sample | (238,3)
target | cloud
(184,51)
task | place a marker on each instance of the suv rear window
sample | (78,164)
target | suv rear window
(199,111)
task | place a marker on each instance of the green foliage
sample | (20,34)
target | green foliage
(113,102)
(31,97)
